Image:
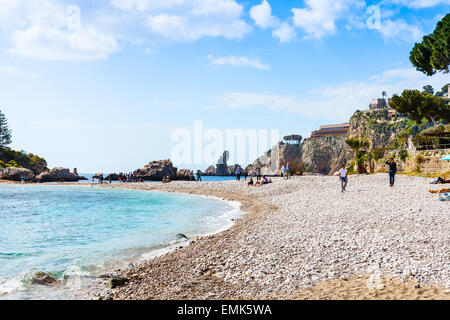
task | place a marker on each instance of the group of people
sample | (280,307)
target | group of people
(286,171)
(264,180)
(343,174)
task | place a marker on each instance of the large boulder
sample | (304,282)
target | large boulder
(211,171)
(185,175)
(43,278)
(157,170)
(16,174)
(231,170)
(46,177)
(59,174)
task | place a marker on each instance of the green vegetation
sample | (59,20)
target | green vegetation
(18,159)
(296,138)
(421,105)
(433,53)
(359,146)
(5,132)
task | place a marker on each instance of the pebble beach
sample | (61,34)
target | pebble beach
(304,239)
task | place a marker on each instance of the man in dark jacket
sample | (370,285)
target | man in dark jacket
(392,171)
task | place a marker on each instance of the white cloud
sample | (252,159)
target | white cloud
(419,4)
(318,18)
(285,33)
(238,61)
(336,103)
(189,20)
(262,15)
(10,69)
(48,30)
(400,30)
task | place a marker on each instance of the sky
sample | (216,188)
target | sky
(110,85)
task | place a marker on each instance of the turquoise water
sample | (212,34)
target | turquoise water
(75,231)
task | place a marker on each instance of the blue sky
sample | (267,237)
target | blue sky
(102,85)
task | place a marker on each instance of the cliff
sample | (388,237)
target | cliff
(381,134)
(325,155)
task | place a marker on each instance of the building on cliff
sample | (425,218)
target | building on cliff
(331,130)
(380,104)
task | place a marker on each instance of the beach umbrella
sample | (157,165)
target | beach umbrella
(447,157)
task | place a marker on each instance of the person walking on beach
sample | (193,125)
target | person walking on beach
(288,171)
(199,176)
(245,174)
(258,174)
(392,171)
(283,171)
(343,176)
(238,174)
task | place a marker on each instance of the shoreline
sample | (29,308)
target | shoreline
(239,262)
(226,220)
(202,270)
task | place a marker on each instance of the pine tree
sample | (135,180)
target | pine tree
(5,132)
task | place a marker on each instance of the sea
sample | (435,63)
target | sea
(73,233)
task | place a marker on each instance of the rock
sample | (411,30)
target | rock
(64,174)
(59,174)
(46,177)
(221,166)
(43,278)
(16,174)
(116,282)
(185,175)
(211,171)
(157,170)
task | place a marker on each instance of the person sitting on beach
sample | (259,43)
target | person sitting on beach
(250,183)
(166,179)
(440,180)
(440,191)
(263,181)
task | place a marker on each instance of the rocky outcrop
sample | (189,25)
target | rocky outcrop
(157,170)
(185,175)
(211,171)
(16,174)
(59,175)
(221,166)
(325,155)
(271,162)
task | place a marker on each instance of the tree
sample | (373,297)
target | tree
(359,146)
(5,132)
(294,137)
(428,89)
(384,94)
(433,53)
(420,105)
(444,91)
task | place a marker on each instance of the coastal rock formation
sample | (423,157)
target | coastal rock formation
(185,175)
(211,171)
(60,175)
(16,174)
(221,166)
(271,162)
(325,155)
(157,170)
